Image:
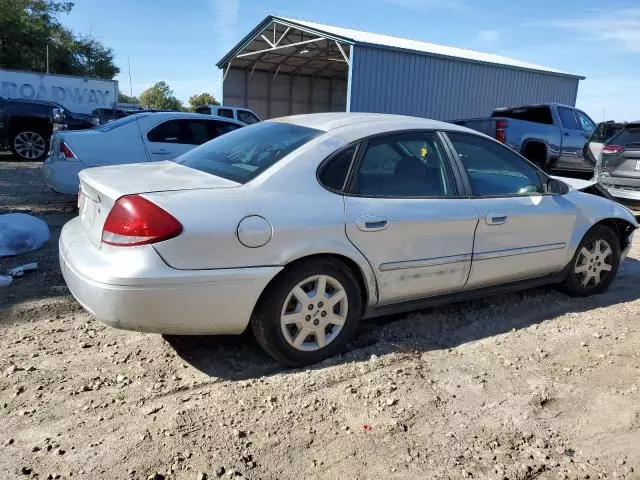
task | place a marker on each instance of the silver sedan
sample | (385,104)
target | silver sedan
(302,226)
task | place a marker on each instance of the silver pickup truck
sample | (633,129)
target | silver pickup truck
(552,136)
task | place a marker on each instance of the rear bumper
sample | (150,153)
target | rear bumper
(132,288)
(62,177)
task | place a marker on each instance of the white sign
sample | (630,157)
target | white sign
(78,94)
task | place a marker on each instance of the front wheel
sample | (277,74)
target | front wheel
(595,263)
(29,145)
(308,313)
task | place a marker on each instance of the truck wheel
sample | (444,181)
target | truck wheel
(30,144)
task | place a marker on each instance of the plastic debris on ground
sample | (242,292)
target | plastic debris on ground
(21,233)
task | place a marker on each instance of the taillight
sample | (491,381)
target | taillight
(134,220)
(612,149)
(500,126)
(65,153)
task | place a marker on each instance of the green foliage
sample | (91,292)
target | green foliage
(28,26)
(200,99)
(160,97)
(123,98)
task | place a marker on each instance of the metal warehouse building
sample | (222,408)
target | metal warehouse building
(286,67)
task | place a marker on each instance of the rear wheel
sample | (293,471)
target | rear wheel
(29,144)
(595,263)
(308,313)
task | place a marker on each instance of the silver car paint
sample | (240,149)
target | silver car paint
(427,248)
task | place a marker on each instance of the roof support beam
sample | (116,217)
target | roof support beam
(346,59)
(296,44)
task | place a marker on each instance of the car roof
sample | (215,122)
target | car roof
(184,115)
(332,121)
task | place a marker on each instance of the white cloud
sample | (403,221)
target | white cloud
(225,21)
(619,27)
(488,36)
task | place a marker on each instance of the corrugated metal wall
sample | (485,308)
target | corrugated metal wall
(284,95)
(388,81)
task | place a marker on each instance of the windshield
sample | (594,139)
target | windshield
(245,153)
(119,123)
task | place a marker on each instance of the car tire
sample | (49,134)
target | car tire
(296,324)
(595,263)
(30,144)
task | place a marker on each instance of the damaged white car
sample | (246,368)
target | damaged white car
(300,227)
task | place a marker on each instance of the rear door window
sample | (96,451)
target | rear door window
(171,131)
(567,118)
(225,112)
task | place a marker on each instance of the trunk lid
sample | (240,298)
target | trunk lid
(101,187)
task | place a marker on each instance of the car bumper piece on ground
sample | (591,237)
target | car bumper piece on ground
(62,176)
(132,288)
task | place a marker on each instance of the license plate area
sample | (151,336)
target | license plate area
(87,208)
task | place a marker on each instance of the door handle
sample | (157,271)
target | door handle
(162,151)
(567,134)
(371,223)
(496,218)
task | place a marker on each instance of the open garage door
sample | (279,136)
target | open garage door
(283,68)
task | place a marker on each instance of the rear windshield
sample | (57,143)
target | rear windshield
(529,114)
(245,153)
(627,136)
(120,122)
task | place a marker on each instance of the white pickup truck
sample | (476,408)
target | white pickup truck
(240,114)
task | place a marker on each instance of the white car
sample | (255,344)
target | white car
(143,137)
(303,225)
(243,115)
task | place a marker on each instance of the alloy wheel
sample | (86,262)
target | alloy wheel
(593,263)
(29,145)
(314,313)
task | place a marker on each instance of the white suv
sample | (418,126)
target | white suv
(243,115)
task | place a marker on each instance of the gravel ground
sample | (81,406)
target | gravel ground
(518,386)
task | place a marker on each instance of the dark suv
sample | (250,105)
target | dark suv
(26,126)
(618,168)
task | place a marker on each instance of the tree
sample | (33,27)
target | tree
(200,99)
(160,97)
(123,98)
(27,27)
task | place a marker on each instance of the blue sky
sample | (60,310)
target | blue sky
(181,41)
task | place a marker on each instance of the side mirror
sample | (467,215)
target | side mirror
(556,186)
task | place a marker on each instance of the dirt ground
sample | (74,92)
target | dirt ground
(518,386)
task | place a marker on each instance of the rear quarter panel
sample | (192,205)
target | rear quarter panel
(96,149)
(306,219)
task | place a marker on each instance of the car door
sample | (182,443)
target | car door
(404,213)
(522,231)
(587,126)
(573,140)
(169,139)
